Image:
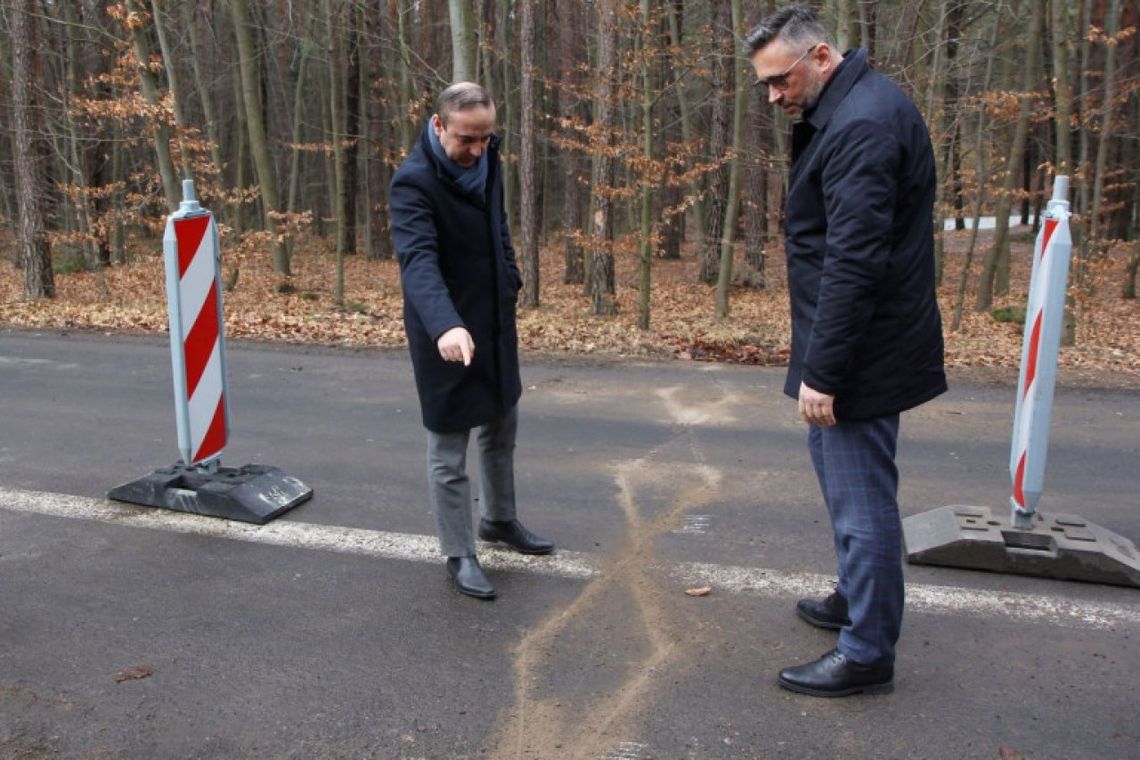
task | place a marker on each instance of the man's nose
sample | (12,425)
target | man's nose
(477,149)
(774,95)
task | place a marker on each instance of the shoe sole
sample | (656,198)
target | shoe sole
(473,595)
(878,688)
(829,625)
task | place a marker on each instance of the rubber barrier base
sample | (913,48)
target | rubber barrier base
(1066,547)
(254,493)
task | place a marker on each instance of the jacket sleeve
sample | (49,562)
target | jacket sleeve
(416,242)
(859,181)
(508,248)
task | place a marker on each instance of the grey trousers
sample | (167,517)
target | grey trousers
(450,489)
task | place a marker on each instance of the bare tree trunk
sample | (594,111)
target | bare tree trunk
(933,115)
(995,268)
(1111,26)
(687,129)
(149,86)
(350,98)
(645,254)
(1129,289)
(508,113)
(722,78)
(868,12)
(300,89)
(1063,108)
(35,252)
(408,130)
(843,22)
(569,109)
(670,226)
(601,279)
(239,150)
(375,135)
(979,151)
(464,41)
(169,64)
(732,210)
(336,135)
(197,51)
(755,198)
(528,243)
(255,122)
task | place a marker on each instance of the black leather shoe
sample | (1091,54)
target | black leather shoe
(828,613)
(513,534)
(833,675)
(469,577)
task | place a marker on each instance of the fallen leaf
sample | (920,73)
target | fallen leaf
(702,591)
(134,673)
(1009,753)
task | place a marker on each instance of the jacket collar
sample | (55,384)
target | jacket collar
(849,71)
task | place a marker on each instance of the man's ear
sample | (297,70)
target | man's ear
(436,123)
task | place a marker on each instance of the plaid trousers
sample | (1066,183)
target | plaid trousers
(855,464)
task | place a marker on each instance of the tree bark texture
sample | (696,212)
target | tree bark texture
(35,253)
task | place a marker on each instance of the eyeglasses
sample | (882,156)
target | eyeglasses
(780,81)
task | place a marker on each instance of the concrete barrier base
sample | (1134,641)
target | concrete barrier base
(1059,546)
(253,493)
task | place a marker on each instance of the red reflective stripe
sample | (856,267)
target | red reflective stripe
(1034,341)
(199,343)
(189,233)
(215,438)
(1019,482)
(1050,225)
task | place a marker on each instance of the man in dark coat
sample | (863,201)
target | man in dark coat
(866,331)
(461,285)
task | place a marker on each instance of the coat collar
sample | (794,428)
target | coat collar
(850,71)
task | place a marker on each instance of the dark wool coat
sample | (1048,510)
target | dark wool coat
(457,268)
(860,248)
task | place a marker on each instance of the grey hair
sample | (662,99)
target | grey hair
(459,97)
(794,24)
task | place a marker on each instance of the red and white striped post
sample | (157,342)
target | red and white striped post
(1044,315)
(1058,545)
(253,493)
(197,346)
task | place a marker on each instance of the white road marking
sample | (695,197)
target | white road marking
(695,525)
(628,751)
(940,600)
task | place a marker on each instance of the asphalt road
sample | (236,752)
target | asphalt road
(333,631)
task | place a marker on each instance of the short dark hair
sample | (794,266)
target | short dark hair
(459,97)
(794,24)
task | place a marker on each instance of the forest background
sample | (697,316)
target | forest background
(645,173)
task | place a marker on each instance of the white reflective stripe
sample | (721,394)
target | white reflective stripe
(197,281)
(205,399)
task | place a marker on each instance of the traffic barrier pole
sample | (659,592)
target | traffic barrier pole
(1064,546)
(1044,315)
(197,348)
(198,483)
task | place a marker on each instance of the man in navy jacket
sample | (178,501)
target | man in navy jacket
(866,331)
(461,283)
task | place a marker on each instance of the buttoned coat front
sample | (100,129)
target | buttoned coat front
(860,248)
(457,269)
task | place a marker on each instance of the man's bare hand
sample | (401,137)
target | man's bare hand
(456,345)
(816,408)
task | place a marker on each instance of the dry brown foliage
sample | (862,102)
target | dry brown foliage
(683,324)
